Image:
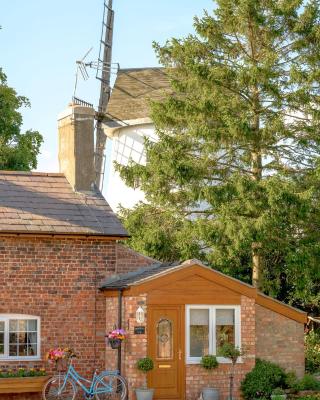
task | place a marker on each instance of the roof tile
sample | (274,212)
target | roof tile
(32,201)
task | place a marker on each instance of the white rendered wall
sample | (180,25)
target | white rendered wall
(127,143)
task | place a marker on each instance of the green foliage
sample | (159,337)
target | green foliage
(236,166)
(308,382)
(145,364)
(312,352)
(209,362)
(262,380)
(227,350)
(18,151)
(278,392)
(22,372)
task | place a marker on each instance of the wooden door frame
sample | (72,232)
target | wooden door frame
(182,336)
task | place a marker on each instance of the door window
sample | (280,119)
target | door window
(164,339)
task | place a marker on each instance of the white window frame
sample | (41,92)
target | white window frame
(6,318)
(212,329)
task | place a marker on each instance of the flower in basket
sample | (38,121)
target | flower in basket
(55,355)
(115,337)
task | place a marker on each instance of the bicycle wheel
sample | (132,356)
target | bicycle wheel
(54,390)
(110,387)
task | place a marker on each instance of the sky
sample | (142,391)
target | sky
(41,40)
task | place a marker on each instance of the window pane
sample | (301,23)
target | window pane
(22,325)
(32,349)
(199,332)
(13,338)
(164,339)
(1,343)
(32,325)
(32,337)
(13,325)
(23,350)
(1,337)
(13,350)
(225,330)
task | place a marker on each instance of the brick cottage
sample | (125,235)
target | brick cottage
(66,280)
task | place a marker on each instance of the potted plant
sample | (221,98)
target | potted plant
(145,365)
(209,362)
(278,394)
(115,338)
(22,380)
(231,352)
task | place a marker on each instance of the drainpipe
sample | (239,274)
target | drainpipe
(119,326)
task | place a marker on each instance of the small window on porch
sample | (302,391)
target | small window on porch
(164,339)
(208,327)
(199,332)
(225,332)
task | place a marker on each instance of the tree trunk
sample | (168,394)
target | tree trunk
(257,264)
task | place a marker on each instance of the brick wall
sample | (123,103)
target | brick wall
(128,259)
(57,279)
(280,340)
(198,378)
(136,345)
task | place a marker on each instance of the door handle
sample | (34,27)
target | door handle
(180,354)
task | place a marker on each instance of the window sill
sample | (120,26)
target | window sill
(221,360)
(20,359)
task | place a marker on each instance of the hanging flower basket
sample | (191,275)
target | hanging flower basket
(115,338)
(114,343)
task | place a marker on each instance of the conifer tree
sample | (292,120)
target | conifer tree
(237,137)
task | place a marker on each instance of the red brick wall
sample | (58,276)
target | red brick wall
(134,347)
(280,340)
(58,280)
(128,260)
(198,378)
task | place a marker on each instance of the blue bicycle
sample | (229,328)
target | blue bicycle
(107,385)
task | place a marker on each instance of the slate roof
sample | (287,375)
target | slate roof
(33,202)
(123,281)
(132,91)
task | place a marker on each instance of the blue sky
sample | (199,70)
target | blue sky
(40,41)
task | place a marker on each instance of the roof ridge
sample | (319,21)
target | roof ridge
(32,173)
(139,69)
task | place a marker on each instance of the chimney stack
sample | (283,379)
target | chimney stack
(76,146)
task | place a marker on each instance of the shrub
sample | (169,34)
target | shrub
(312,345)
(308,382)
(228,350)
(145,364)
(262,380)
(309,397)
(209,362)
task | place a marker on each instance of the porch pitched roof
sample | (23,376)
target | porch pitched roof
(147,277)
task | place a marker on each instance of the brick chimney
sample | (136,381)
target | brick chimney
(76,146)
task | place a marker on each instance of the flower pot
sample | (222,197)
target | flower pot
(144,394)
(31,384)
(115,343)
(210,394)
(278,397)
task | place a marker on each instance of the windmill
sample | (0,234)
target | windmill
(104,75)
(104,68)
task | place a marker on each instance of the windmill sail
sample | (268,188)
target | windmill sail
(104,75)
